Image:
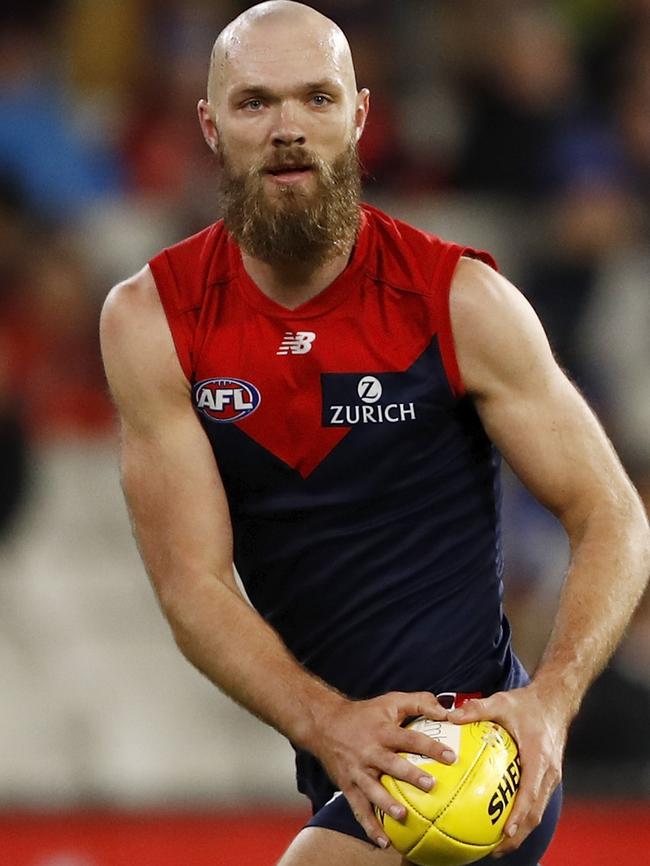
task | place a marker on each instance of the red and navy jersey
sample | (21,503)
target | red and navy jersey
(363,490)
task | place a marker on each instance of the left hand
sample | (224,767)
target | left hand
(539,728)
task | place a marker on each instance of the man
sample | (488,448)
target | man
(324,380)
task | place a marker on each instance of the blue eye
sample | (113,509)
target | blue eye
(320,100)
(254,104)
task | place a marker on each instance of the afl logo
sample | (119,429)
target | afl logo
(226,400)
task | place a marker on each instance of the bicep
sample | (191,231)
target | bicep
(553,442)
(170,478)
(177,504)
(530,410)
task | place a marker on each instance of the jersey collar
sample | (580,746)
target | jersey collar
(326,300)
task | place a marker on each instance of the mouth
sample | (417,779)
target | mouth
(289,173)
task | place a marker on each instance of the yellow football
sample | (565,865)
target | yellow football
(462,818)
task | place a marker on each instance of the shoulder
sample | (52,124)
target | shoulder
(479,293)
(400,241)
(137,346)
(497,333)
(412,258)
(182,271)
(131,307)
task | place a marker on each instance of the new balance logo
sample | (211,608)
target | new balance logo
(296,344)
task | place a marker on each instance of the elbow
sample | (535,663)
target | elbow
(615,514)
(636,518)
(174,596)
(172,609)
(193,605)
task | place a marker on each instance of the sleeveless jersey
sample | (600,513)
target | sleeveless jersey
(362,488)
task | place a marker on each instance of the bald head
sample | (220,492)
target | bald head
(273,31)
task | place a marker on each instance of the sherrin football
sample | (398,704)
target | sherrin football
(463,817)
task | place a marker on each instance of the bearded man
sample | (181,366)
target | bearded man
(318,392)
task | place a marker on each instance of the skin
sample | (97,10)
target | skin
(281,75)
(533,414)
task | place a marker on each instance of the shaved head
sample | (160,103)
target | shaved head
(284,118)
(288,27)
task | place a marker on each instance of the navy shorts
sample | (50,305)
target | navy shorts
(337,815)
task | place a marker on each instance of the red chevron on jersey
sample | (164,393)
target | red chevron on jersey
(362,488)
(298,381)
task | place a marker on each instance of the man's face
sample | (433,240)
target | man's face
(292,224)
(287,118)
(284,84)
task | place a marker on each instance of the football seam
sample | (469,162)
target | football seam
(462,841)
(417,812)
(432,825)
(446,806)
(461,784)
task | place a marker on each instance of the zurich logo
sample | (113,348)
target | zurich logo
(369,389)
(226,400)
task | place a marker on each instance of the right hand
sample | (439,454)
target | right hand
(357,741)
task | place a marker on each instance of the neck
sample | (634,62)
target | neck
(293,284)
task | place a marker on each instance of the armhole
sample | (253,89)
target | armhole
(177,319)
(442,279)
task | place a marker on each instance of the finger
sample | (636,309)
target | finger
(541,772)
(476,710)
(419,704)
(526,796)
(379,796)
(400,768)
(418,743)
(511,843)
(519,832)
(365,815)
(519,826)
(530,803)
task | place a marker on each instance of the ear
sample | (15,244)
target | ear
(361,111)
(208,124)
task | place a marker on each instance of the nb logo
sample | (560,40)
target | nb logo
(297,344)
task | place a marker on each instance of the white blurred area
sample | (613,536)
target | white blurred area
(98,704)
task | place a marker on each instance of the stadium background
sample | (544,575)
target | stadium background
(521,127)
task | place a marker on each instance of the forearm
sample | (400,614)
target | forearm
(237,650)
(606,579)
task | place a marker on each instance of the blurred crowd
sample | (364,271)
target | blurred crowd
(522,126)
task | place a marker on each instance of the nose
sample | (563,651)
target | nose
(288,130)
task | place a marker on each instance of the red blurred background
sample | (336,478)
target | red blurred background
(598,833)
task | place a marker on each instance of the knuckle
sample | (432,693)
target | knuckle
(361,810)
(411,741)
(395,766)
(534,816)
(401,769)
(385,802)
(366,754)
(369,824)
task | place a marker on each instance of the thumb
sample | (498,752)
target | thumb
(474,710)
(419,704)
